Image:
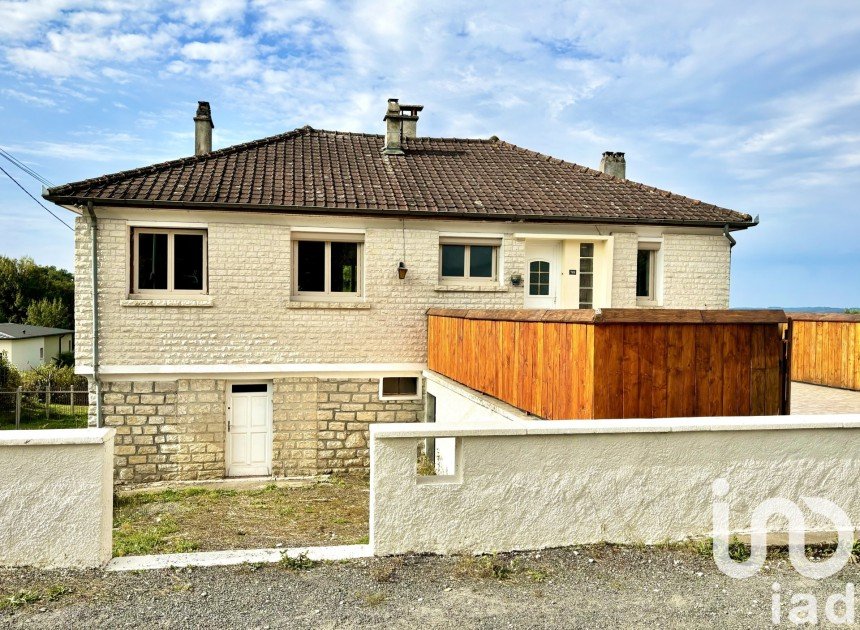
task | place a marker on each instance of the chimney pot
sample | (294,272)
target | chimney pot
(203,127)
(401,123)
(613,163)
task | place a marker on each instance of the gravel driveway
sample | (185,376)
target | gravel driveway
(564,588)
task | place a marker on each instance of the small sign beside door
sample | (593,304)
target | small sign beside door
(571,272)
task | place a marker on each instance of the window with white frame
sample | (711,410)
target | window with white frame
(586,275)
(168,261)
(647,261)
(466,259)
(327,266)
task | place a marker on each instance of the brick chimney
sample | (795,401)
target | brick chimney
(401,123)
(203,127)
(612,163)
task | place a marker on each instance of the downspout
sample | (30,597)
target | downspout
(728,235)
(94,281)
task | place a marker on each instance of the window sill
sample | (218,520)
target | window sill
(201,302)
(329,305)
(647,303)
(470,288)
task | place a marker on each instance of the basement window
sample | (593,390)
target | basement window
(468,259)
(399,388)
(327,267)
(168,261)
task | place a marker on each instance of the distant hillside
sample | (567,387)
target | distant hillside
(810,309)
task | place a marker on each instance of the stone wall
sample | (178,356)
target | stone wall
(345,411)
(696,271)
(176,430)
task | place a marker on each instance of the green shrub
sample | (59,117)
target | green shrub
(10,378)
(65,359)
(60,378)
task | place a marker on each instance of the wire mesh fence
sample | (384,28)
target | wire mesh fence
(43,409)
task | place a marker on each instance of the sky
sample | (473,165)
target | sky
(749,105)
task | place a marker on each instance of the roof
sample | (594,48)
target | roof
(313,171)
(25,331)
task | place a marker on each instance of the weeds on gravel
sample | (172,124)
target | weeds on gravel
(24,597)
(374,599)
(498,568)
(300,563)
(384,570)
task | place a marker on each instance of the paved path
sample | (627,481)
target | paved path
(815,399)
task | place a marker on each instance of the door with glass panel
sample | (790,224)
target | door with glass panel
(542,274)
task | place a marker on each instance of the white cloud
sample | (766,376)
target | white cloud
(40,101)
(735,103)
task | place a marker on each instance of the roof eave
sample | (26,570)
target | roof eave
(274,208)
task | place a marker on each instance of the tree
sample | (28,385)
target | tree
(9,376)
(23,282)
(50,313)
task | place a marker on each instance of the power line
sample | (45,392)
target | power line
(43,206)
(42,180)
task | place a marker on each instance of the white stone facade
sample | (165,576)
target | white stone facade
(248,326)
(249,317)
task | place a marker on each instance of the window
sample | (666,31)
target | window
(468,259)
(646,271)
(586,275)
(41,353)
(539,277)
(168,261)
(393,387)
(327,268)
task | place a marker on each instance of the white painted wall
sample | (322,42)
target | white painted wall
(24,353)
(457,405)
(531,485)
(56,497)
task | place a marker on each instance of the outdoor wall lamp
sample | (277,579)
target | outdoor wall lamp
(401,270)
(516,280)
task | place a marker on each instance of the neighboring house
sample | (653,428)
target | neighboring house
(260,305)
(28,347)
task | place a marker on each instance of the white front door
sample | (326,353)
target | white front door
(249,430)
(542,274)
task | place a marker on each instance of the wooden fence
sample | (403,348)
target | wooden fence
(826,349)
(617,363)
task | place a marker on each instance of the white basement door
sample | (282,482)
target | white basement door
(249,430)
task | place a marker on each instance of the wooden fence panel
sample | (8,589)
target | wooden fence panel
(826,351)
(568,370)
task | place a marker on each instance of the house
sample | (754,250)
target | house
(27,347)
(259,305)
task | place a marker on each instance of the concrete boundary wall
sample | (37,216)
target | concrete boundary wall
(538,484)
(56,498)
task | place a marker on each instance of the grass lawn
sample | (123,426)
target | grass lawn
(333,512)
(34,417)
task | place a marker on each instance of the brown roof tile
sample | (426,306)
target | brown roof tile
(310,170)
